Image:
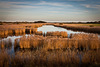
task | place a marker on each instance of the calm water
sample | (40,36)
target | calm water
(51,28)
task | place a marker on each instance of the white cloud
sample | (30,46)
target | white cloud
(14,5)
(5,5)
(91,6)
(70,12)
(54,11)
(30,4)
(53,4)
(76,0)
(23,6)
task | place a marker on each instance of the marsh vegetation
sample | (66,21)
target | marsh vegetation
(47,48)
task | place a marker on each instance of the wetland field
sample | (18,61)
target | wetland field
(49,45)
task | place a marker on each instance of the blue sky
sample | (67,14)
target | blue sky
(50,10)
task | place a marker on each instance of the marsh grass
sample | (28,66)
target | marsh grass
(17,32)
(6,44)
(80,28)
(39,33)
(80,42)
(45,58)
(21,29)
(41,58)
(57,33)
(80,50)
(4,59)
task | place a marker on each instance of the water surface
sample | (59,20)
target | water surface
(51,28)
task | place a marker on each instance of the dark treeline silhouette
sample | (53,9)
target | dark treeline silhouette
(92,22)
(26,22)
(1,23)
(95,22)
(19,22)
(40,22)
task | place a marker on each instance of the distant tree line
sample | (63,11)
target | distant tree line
(40,22)
(23,22)
(95,22)
(61,23)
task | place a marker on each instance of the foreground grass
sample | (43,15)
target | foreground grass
(80,50)
(43,58)
(76,41)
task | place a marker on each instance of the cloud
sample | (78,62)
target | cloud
(91,6)
(69,12)
(23,6)
(5,4)
(16,5)
(53,4)
(54,11)
(76,0)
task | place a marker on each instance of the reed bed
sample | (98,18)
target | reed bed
(19,29)
(29,42)
(3,33)
(17,26)
(30,30)
(57,33)
(16,43)
(39,33)
(5,44)
(91,58)
(42,58)
(4,59)
(77,41)
(33,30)
(87,41)
(80,28)
(54,50)
(17,32)
(81,50)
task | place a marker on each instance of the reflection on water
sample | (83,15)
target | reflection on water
(8,44)
(17,32)
(51,28)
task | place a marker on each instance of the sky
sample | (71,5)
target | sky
(50,10)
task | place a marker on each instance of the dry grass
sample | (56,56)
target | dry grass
(5,44)
(75,27)
(54,51)
(17,32)
(4,59)
(42,58)
(29,42)
(87,41)
(18,29)
(57,33)
(30,30)
(91,58)
(39,33)
(77,41)
(17,26)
